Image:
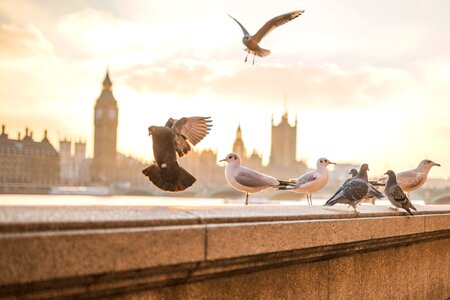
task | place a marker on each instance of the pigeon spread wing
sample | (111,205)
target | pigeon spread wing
(274,23)
(189,131)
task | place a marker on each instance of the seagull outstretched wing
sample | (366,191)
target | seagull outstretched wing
(242,27)
(274,23)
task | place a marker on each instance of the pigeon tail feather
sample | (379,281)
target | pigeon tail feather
(332,201)
(177,180)
(408,210)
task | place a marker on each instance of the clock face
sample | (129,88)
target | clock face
(98,113)
(112,114)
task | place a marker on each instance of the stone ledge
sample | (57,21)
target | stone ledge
(78,250)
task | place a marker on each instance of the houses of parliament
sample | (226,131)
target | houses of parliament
(26,162)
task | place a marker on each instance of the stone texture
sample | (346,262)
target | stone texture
(262,213)
(303,281)
(32,218)
(437,222)
(236,252)
(416,271)
(48,255)
(407,272)
(226,241)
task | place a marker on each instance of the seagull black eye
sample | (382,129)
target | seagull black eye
(326,160)
(321,161)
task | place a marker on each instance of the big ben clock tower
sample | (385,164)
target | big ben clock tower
(105,135)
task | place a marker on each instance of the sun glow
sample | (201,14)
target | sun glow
(364,88)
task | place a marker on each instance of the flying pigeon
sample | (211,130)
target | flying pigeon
(352,191)
(177,136)
(248,180)
(395,193)
(252,41)
(312,181)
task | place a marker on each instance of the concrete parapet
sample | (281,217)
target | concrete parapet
(228,252)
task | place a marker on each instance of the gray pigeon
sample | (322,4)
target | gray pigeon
(176,136)
(395,193)
(373,192)
(353,190)
(371,195)
(352,172)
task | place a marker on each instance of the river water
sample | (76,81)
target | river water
(82,200)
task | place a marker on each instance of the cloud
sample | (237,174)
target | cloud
(323,85)
(23,41)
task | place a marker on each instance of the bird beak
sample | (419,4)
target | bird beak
(436,164)
(385,173)
(149,132)
(333,163)
(223,160)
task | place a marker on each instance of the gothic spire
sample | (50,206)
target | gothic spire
(107,84)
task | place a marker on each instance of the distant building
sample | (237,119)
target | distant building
(108,166)
(105,135)
(238,145)
(25,161)
(283,163)
(203,166)
(283,149)
(74,168)
(129,173)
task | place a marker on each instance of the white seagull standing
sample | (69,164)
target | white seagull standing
(312,181)
(252,41)
(247,180)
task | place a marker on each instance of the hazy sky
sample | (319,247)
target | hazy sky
(369,80)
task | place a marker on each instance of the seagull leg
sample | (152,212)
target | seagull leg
(253,59)
(245,60)
(354,207)
(246,199)
(310,198)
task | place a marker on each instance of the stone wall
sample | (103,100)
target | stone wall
(229,252)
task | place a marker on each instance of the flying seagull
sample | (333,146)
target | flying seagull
(248,180)
(396,195)
(177,136)
(413,179)
(352,191)
(312,181)
(252,41)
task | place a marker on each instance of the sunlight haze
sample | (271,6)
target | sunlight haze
(368,81)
